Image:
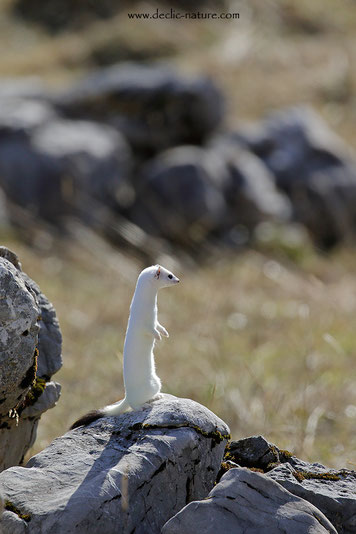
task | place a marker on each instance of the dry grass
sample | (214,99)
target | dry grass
(266,344)
(279,53)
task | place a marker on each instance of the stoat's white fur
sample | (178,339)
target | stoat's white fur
(143,329)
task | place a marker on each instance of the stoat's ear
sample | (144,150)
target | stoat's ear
(158,272)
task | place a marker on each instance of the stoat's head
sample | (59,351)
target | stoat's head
(159,276)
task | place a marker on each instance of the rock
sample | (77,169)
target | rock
(62,164)
(19,312)
(50,337)
(58,15)
(180,195)
(25,87)
(312,166)
(254,452)
(30,344)
(332,491)
(62,15)
(188,193)
(19,116)
(153,107)
(251,191)
(127,473)
(245,502)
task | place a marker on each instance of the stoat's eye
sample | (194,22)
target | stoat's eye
(170,276)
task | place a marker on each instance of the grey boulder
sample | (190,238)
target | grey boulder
(19,313)
(154,107)
(56,167)
(19,115)
(180,194)
(124,474)
(251,191)
(332,491)
(30,343)
(312,166)
(245,502)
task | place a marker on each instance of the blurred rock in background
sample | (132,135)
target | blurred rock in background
(152,106)
(313,167)
(143,144)
(58,15)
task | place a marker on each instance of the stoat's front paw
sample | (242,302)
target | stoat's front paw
(157,335)
(162,330)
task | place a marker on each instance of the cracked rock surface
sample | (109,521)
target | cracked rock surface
(128,473)
(245,502)
(332,491)
(30,352)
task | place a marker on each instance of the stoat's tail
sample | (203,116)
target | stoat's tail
(88,418)
(113,409)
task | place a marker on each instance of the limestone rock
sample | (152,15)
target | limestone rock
(251,190)
(19,312)
(24,87)
(20,115)
(126,473)
(153,107)
(62,165)
(312,166)
(253,452)
(332,491)
(63,15)
(50,337)
(245,502)
(30,343)
(180,195)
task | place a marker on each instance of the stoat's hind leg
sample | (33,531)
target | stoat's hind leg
(117,408)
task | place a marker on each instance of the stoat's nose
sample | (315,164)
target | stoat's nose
(177,280)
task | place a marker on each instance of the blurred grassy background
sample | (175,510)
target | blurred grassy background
(266,342)
(280,52)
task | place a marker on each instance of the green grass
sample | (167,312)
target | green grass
(266,344)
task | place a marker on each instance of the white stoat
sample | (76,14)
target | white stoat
(143,329)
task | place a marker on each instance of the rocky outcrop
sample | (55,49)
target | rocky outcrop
(312,166)
(189,193)
(180,195)
(30,352)
(60,15)
(127,473)
(245,502)
(152,106)
(140,144)
(332,491)
(62,163)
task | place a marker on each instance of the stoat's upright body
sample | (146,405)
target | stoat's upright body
(143,329)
